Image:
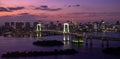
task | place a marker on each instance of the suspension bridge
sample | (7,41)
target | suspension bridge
(66,30)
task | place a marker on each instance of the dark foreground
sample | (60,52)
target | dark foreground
(48,43)
(112,51)
(39,53)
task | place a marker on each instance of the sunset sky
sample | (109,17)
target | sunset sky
(62,10)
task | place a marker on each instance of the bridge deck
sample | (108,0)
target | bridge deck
(79,35)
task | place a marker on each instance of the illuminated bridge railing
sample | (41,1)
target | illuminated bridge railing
(57,31)
(86,36)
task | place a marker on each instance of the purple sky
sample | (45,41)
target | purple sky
(62,10)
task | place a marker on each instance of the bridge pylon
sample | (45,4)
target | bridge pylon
(39,27)
(66,28)
(38,30)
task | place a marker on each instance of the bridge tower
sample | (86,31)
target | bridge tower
(66,28)
(38,29)
(65,31)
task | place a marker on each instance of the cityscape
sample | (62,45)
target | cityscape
(27,27)
(59,29)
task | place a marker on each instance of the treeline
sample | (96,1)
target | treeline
(40,53)
(112,51)
(48,43)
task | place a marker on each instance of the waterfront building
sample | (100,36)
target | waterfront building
(117,26)
(95,26)
(6,27)
(102,26)
(19,26)
(12,25)
(27,26)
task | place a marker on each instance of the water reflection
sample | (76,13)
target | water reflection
(38,35)
(79,45)
(105,44)
(66,41)
(66,37)
(89,42)
(19,44)
(66,45)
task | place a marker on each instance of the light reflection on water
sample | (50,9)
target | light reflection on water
(87,49)
(109,34)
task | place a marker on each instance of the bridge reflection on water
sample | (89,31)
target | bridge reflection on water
(25,44)
(67,39)
(39,32)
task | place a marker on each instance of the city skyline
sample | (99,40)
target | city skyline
(60,29)
(59,10)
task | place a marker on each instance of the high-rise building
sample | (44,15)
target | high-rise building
(95,26)
(7,24)
(27,26)
(117,26)
(102,26)
(19,26)
(7,27)
(13,25)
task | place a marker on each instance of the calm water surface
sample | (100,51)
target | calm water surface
(93,51)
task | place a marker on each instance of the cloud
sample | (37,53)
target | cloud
(15,8)
(45,7)
(2,9)
(24,14)
(23,17)
(27,17)
(94,14)
(77,5)
(9,9)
